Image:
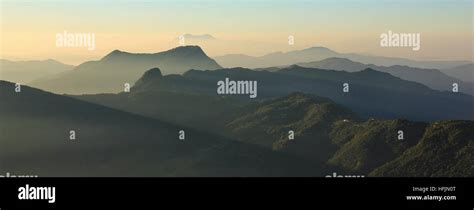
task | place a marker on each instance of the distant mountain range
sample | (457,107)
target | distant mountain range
(432,78)
(109,74)
(198,37)
(463,72)
(320,53)
(136,133)
(28,71)
(371,93)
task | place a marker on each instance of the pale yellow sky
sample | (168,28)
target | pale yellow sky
(29,28)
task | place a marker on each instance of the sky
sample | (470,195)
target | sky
(29,28)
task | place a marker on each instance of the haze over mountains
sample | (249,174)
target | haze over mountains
(371,94)
(35,128)
(328,138)
(463,72)
(136,133)
(432,78)
(320,53)
(28,71)
(109,74)
(324,131)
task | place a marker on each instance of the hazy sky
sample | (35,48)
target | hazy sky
(29,28)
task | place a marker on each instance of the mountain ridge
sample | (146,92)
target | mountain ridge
(30,70)
(395,98)
(319,53)
(433,78)
(94,76)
